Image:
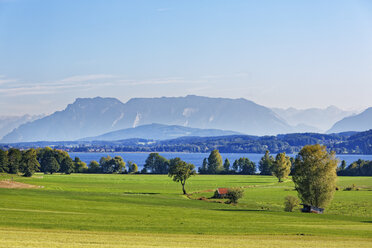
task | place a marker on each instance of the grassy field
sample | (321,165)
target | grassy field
(82,210)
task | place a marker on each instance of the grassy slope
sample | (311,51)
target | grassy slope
(146,204)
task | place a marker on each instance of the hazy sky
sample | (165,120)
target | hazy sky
(276,53)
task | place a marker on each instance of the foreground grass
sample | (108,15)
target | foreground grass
(32,238)
(145,210)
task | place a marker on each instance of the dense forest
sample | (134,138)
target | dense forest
(341,143)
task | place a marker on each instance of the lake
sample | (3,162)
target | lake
(194,158)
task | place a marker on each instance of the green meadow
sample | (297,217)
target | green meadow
(90,210)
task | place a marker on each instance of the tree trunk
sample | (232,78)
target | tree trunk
(183,189)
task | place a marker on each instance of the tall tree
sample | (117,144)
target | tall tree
(204,168)
(343,165)
(180,171)
(315,175)
(14,160)
(281,167)
(51,165)
(215,162)
(44,156)
(226,165)
(3,161)
(156,164)
(29,164)
(265,164)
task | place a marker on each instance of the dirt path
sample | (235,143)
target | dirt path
(8,184)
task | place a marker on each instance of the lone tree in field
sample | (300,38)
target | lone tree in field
(215,162)
(281,167)
(315,175)
(180,171)
(266,163)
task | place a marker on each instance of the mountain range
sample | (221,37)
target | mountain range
(109,118)
(88,117)
(359,122)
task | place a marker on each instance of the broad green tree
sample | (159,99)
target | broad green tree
(315,175)
(51,165)
(132,167)
(265,164)
(80,166)
(156,164)
(44,156)
(67,165)
(180,171)
(29,164)
(215,165)
(93,167)
(3,161)
(281,167)
(112,165)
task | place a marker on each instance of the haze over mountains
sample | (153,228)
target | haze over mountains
(8,123)
(92,117)
(360,122)
(312,119)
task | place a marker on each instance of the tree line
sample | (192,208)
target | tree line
(50,160)
(357,168)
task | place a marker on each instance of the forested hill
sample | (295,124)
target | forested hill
(347,143)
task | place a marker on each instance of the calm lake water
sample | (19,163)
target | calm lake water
(194,158)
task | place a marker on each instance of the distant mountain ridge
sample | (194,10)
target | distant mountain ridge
(312,119)
(88,117)
(359,122)
(158,132)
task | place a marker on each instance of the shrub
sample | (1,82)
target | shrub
(234,194)
(290,202)
(351,188)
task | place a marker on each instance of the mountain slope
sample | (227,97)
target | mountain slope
(8,123)
(94,116)
(312,119)
(158,132)
(360,122)
(85,117)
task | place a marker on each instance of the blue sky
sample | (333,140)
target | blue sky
(276,53)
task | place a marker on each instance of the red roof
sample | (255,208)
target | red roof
(222,191)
